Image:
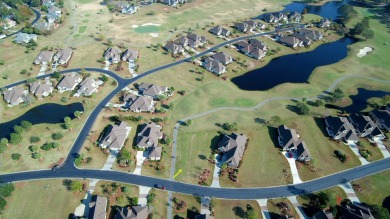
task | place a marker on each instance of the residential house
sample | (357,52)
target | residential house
(173,2)
(98,208)
(295,17)
(130,55)
(152,90)
(115,137)
(139,104)
(8,24)
(15,95)
(63,56)
(43,26)
(87,87)
(174,48)
(41,90)
(222,58)
(290,41)
(381,118)
(364,126)
(195,40)
(126,8)
(112,55)
(274,17)
(182,41)
(253,52)
(311,34)
(243,27)
(44,57)
(154,153)
(69,82)
(324,23)
(242,44)
(48,3)
(52,17)
(215,67)
(203,216)
(355,211)
(323,215)
(25,38)
(306,41)
(232,148)
(289,141)
(133,212)
(220,31)
(340,128)
(149,135)
(258,44)
(55,10)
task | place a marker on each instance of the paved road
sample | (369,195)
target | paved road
(226,193)
(38,16)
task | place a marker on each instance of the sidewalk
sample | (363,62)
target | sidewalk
(298,207)
(347,187)
(382,148)
(356,152)
(264,210)
(293,167)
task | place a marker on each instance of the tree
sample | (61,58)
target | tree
(275,120)
(124,156)
(15,156)
(33,148)
(302,109)
(64,99)
(18,129)
(4,141)
(2,148)
(26,125)
(57,136)
(77,114)
(34,139)
(100,37)
(368,34)
(16,138)
(67,121)
(46,147)
(360,27)
(104,78)
(6,189)
(379,211)
(189,122)
(36,155)
(346,12)
(251,214)
(56,75)
(76,186)
(3,203)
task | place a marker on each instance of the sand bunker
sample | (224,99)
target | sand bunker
(134,26)
(363,52)
(154,34)
(150,24)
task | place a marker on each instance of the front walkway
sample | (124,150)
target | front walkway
(217,170)
(143,194)
(293,167)
(131,68)
(42,70)
(355,150)
(83,208)
(382,148)
(348,189)
(205,205)
(264,209)
(298,207)
(110,160)
(140,160)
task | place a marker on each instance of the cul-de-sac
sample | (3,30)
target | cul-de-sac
(195,109)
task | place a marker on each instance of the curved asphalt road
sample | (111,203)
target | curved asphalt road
(69,171)
(38,16)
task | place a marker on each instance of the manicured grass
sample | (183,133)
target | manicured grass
(374,189)
(44,131)
(188,211)
(85,21)
(275,210)
(159,206)
(33,198)
(218,102)
(76,35)
(244,102)
(147,29)
(234,208)
(376,153)
(82,29)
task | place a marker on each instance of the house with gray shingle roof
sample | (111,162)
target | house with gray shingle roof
(154,153)
(295,17)
(275,17)
(130,55)
(220,31)
(222,58)
(41,90)
(232,148)
(25,38)
(63,56)
(44,57)
(253,52)
(55,10)
(149,135)
(87,87)
(15,95)
(133,212)
(174,48)
(243,27)
(339,128)
(365,127)
(195,40)
(215,67)
(311,34)
(43,26)
(303,38)
(290,41)
(258,44)
(115,137)
(98,208)
(69,82)
(152,90)
(289,141)
(173,2)
(126,8)
(324,23)
(112,55)
(381,118)
(139,104)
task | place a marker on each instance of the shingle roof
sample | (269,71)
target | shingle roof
(113,53)
(38,89)
(116,136)
(288,137)
(98,208)
(44,56)
(69,81)
(12,95)
(63,55)
(87,86)
(152,90)
(142,103)
(233,147)
(130,55)
(133,212)
(154,152)
(149,135)
(221,57)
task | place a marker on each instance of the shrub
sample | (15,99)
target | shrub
(35,139)
(15,156)
(57,136)
(64,99)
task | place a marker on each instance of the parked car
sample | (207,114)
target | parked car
(159,186)
(55,167)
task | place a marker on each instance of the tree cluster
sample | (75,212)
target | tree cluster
(347,12)
(6,190)
(363,29)
(230,126)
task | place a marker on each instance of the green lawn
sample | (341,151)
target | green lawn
(375,188)
(234,209)
(376,153)
(192,205)
(275,210)
(82,29)
(34,198)
(159,206)
(147,29)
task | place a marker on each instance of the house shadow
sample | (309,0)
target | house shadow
(191,214)
(309,209)
(138,130)
(321,125)
(214,142)
(386,203)
(274,215)
(273,134)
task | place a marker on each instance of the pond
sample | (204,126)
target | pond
(328,10)
(294,68)
(359,101)
(46,113)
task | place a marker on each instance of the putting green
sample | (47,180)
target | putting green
(147,29)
